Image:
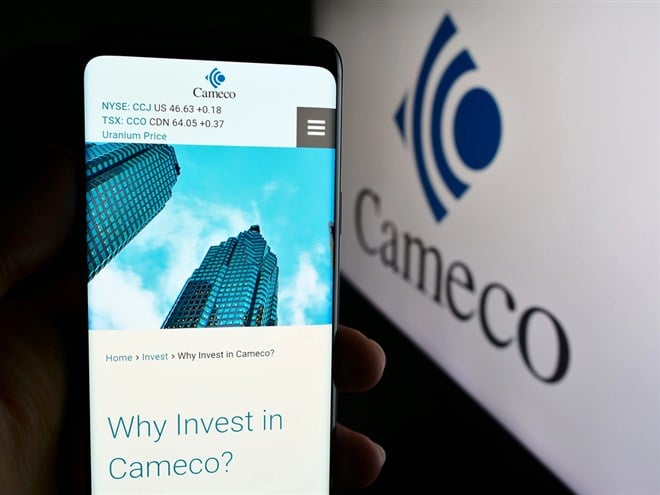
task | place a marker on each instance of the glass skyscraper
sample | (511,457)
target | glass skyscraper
(236,285)
(127,184)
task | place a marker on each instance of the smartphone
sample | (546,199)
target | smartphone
(212,172)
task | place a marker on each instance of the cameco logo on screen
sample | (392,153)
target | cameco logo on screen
(215,77)
(477,124)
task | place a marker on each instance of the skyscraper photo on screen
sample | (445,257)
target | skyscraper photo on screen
(187,244)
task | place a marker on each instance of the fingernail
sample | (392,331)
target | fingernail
(381,451)
(381,351)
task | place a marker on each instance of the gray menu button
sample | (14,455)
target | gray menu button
(315,127)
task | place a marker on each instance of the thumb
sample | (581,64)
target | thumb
(35,227)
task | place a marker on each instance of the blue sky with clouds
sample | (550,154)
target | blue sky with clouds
(221,192)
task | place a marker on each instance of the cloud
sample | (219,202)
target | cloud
(270,188)
(305,294)
(117,299)
(281,188)
(185,231)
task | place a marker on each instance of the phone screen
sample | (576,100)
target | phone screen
(211,206)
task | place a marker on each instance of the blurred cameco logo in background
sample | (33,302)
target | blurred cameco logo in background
(477,125)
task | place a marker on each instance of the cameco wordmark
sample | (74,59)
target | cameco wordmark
(400,251)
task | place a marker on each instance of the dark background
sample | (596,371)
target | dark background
(437,438)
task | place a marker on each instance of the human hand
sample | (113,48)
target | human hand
(359,366)
(39,282)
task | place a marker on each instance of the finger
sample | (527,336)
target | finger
(357,460)
(37,225)
(359,361)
